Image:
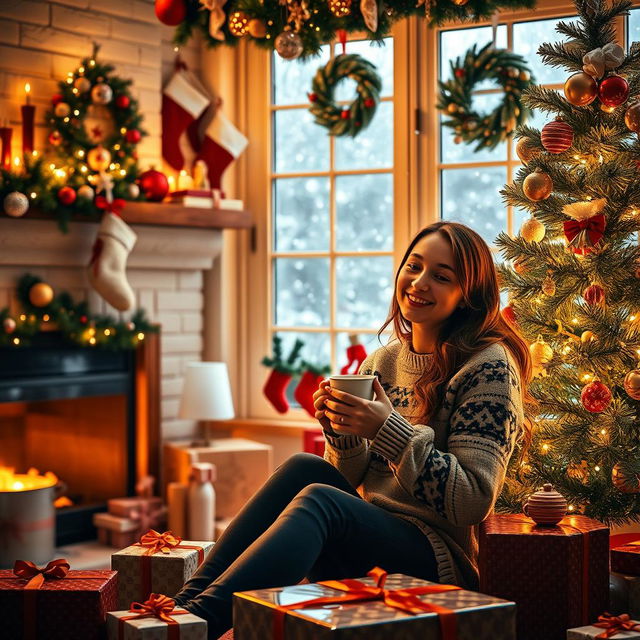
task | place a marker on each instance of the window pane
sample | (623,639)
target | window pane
(633,27)
(380,56)
(369,341)
(300,145)
(364,212)
(301,214)
(528,36)
(292,78)
(364,287)
(371,148)
(471,196)
(301,288)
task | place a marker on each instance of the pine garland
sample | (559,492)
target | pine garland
(276,362)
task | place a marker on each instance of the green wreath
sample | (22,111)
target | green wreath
(345,120)
(510,71)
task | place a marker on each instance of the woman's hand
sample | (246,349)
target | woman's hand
(319,398)
(350,415)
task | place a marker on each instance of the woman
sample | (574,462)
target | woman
(406,476)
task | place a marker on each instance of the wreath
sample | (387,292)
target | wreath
(351,119)
(510,71)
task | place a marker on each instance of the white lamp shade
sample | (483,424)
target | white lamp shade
(206,394)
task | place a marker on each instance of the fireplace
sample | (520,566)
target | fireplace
(90,416)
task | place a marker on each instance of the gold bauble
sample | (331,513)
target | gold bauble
(580,89)
(632,117)
(624,482)
(532,230)
(452,108)
(257,28)
(340,8)
(238,23)
(632,384)
(549,286)
(40,294)
(99,158)
(526,150)
(459,3)
(541,352)
(587,336)
(537,186)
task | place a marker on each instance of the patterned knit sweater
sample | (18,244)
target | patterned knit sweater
(446,476)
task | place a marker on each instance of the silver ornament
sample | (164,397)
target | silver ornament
(289,45)
(62,110)
(85,192)
(16,204)
(133,190)
(101,93)
(9,325)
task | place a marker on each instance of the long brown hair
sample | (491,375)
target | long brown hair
(468,330)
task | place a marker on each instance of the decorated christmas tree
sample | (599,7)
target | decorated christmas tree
(572,274)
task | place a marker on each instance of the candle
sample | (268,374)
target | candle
(5,152)
(28,114)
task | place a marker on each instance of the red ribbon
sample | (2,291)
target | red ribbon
(96,250)
(356,591)
(593,226)
(342,36)
(157,606)
(112,207)
(615,624)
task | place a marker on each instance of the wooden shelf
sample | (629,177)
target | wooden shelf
(169,215)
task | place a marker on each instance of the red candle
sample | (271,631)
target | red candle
(28,114)
(5,152)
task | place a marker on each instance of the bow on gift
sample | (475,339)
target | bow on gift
(156,542)
(583,235)
(156,606)
(615,624)
(112,207)
(56,569)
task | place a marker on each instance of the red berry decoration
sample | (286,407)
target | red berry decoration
(83,319)
(171,12)
(154,185)
(345,114)
(66,195)
(593,294)
(595,396)
(55,98)
(369,102)
(613,91)
(459,73)
(313,97)
(123,102)
(556,136)
(133,136)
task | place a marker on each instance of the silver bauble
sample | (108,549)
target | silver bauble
(289,45)
(101,93)
(85,192)
(16,204)
(133,190)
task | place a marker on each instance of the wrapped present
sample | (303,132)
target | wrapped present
(380,606)
(557,575)
(115,531)
(132,507)
(54,603)
(155,619)
(626,559)
(159,563)
(608,626)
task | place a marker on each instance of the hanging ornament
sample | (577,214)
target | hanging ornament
(532,230)
(587,336)
(238,23)
(595,396)
(556,136)
(580,89)
(594,294)
(613,91)
(82,84)
(101,93)
(520,266)
(579,471)
(537,186)
(154,185)
(632,384)
(133,136)
(340,8)
(541,352)
(632,117)
(549,286)
(9,325)
(85,192)
(55,138)
(99,158)
(623,481)
(40,294)
(509,315)
(257,28)
(526,150)
(15,204)
(62,110)
(369,11)
(584,210)
(133,190)
(66,195)
(171,12)
(584,235)
(56,98)
(289,45)
(123,101)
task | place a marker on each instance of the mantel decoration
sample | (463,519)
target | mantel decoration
(95,127)
(298,28)
(41,310)
(510,71)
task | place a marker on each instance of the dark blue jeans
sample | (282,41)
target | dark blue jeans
(306,521)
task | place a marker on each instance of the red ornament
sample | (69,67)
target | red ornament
(122,101)
(56,98)
(595,396)
(369,102)
(171,12)
(154,185)
(133,136)
(345,114)
(83,319)
(509,315)
(556,136)
(459,73)
(66,195)
(613,91)
(313,97)
(55,138)
(593,294)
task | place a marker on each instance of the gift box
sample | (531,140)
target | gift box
(132,507)
(155,619)
(626,559)
(372,608)
(116,531)
(159,563)
(608,626)
(557,575)
(55,603)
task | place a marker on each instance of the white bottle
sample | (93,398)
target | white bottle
(202,501)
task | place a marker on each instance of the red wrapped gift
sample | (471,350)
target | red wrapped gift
(54,603)
(557,575)
(626,559)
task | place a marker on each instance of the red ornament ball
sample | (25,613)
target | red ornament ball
(613,91)
(56,98)
(66,195)
(313,97)
(122,101)
(459,73)
(83,319)
(171,12)
(369,102)
(556,136)
(133,136)
(345,114)
(55,138)
(595,396)
(154,185)
(594,294)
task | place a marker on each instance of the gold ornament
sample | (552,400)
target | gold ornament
(587,336)
(541,352)
(537,186)
(40,294)
(289,45)
(340,8)
(217,17)
(257,28)
(99,158)
(632,384)
(526,150)
(62,110)
(624,482)
(632,117)
(580,89)
(549,286)
(459,3)
(579,471)
(532,230)
(82,84)
(369,11)
(238,23)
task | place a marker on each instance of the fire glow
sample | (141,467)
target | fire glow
(11,481)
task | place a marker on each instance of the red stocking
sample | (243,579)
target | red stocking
(275,388)
(307,386)
(355,353)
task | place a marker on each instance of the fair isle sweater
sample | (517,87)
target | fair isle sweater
(445,476)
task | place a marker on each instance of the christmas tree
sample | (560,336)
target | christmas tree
(572,273)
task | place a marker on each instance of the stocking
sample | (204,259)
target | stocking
(107,267)
(355,354)
(275,390)
(307,386)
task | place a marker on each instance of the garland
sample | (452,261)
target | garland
(510,71)
(349,120)
(72,320)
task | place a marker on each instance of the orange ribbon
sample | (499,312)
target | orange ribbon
(615,624)
(156,606)
(578,232)
(356,591)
